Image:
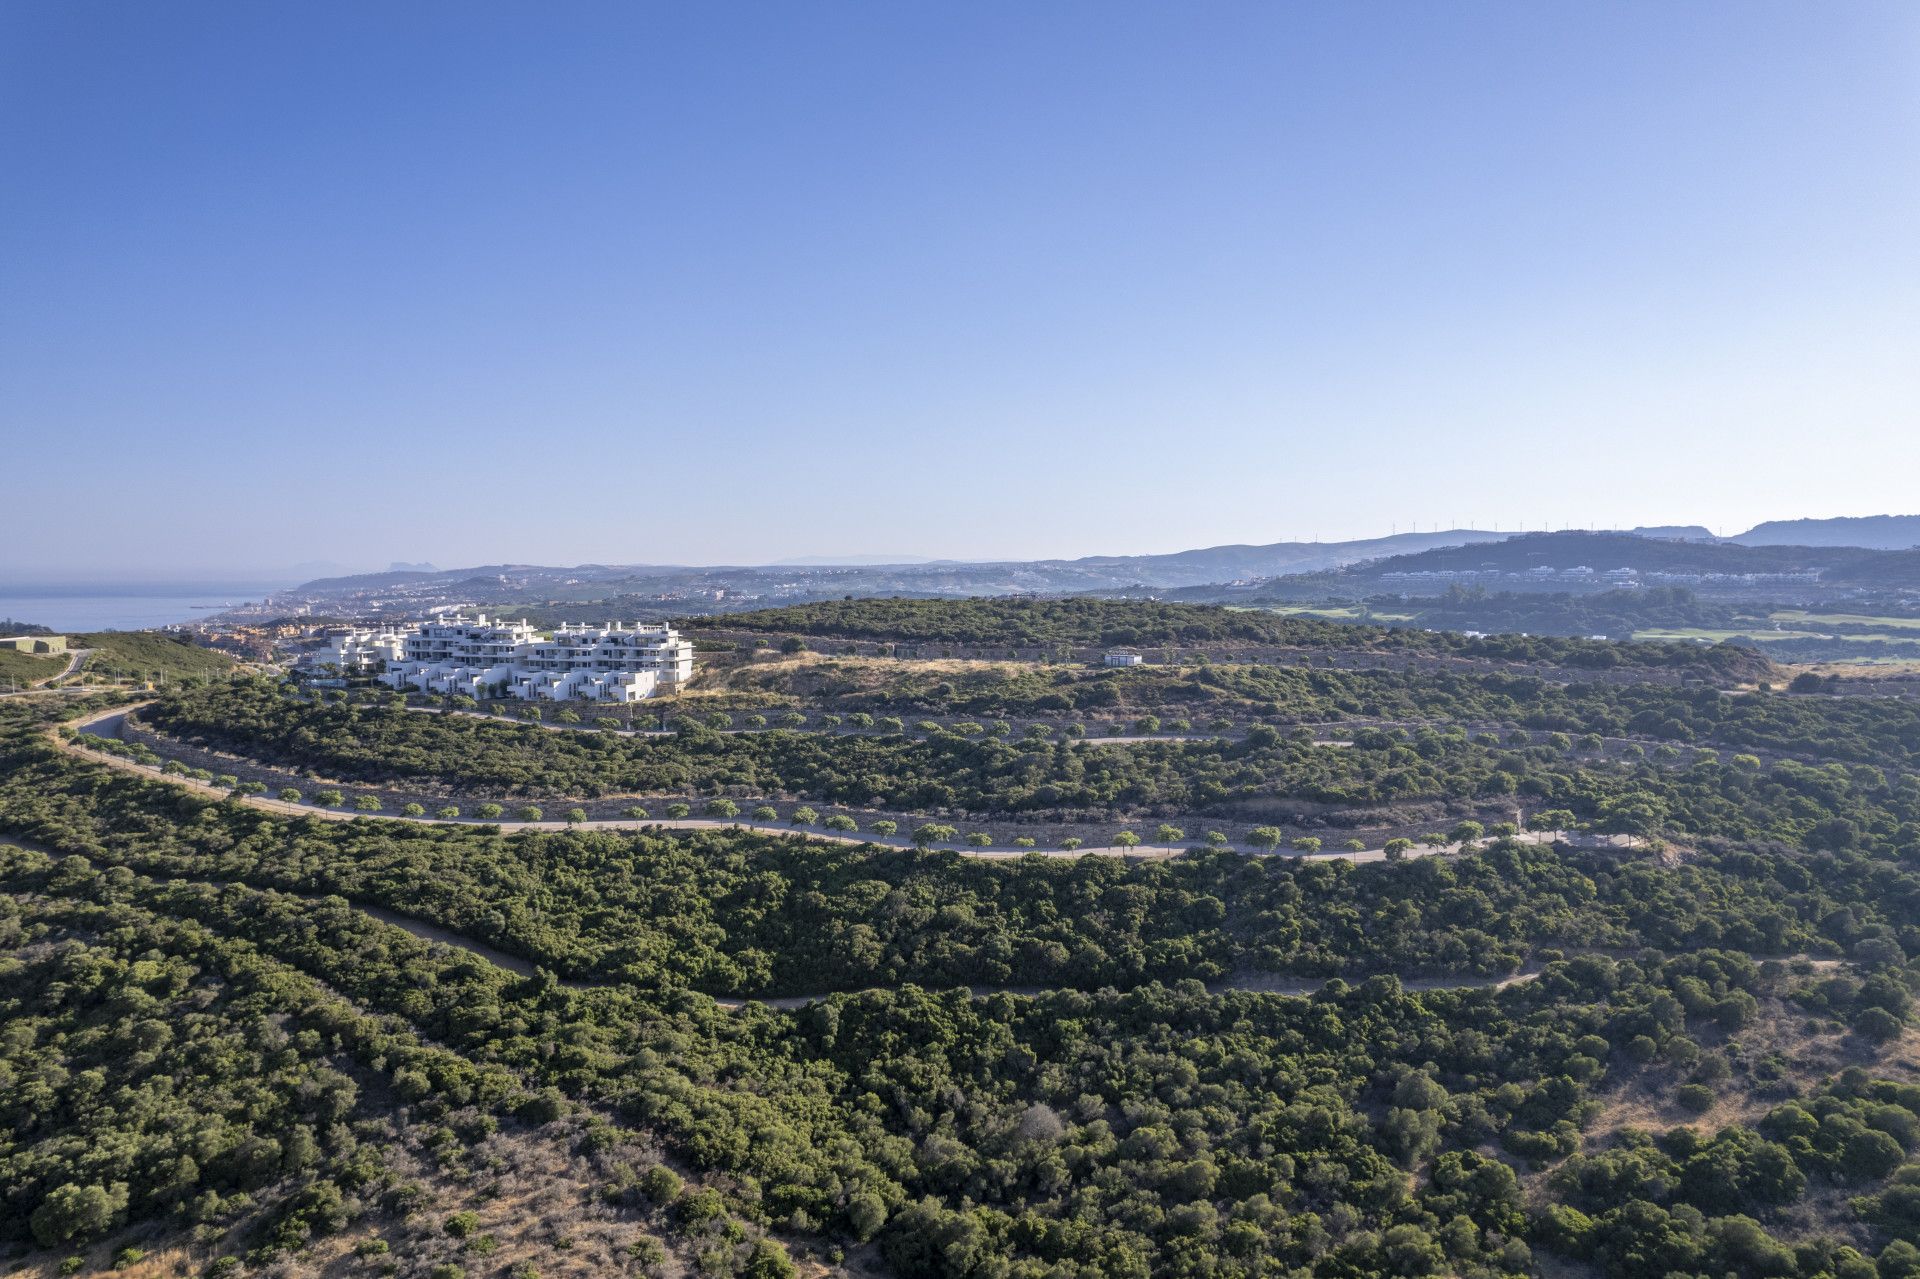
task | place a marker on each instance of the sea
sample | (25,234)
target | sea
(134,607)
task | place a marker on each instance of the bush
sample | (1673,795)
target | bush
(1697,1098)
(662,1185)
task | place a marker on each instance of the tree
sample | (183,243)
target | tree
(1397,849)
(766,813)
(1266,838)
(841,822)
(722,808)
(447,812)
(1168,835)
(866,1214)
(1354,845)
(574,816)
(637,813)
(489,811)
(290,794)
(979,839)
(1126,839)
(931,833)
(1466,833)
(529,813)
(805,816)
(1307,843)
(883,826)
(78,1212)
(413,810)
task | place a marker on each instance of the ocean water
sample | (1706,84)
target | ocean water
(105,609)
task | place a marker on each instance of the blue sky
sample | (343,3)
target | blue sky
(721,283)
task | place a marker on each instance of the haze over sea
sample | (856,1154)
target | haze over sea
(137,606)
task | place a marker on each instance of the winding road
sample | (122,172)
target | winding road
(110,723)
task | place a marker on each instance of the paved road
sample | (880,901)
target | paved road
(75,656)
(108,724)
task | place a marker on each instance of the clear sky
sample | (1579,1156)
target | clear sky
(736,282)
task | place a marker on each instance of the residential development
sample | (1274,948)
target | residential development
(484,657)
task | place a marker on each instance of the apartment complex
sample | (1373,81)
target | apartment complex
(497,658)
(357,649)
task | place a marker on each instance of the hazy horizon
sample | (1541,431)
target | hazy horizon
(633,284)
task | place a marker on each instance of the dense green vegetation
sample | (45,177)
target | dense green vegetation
(1163,1131)
(1864,730)
(1825,806)
(1705,1068)
(1074,623)
(736,912)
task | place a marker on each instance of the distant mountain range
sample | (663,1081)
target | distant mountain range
(1875,532)
(1853,551)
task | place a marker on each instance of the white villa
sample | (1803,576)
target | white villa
(498,658)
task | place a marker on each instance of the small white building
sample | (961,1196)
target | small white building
(482,658)
(1124,659)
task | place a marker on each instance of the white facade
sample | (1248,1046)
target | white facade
(1124,659)
(358,650)
(482,658)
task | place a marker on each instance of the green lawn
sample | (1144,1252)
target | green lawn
(1799,618)
(1718,634)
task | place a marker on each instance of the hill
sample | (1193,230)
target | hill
(150,656)
(1878,532)
(1595,561)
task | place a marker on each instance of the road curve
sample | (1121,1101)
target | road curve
(107,724)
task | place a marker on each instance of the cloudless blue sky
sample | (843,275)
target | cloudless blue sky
(735,282)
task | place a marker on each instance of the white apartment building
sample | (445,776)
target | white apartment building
(498,658)
(357,650)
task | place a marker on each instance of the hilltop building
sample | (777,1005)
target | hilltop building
(35,643)
(498,658)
